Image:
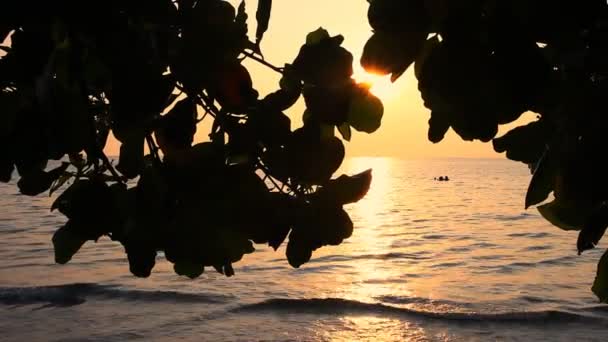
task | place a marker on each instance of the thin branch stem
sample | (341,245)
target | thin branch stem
(204,116)
(153,148)
(263,62)
(280,188)
(109,166)
(274,183)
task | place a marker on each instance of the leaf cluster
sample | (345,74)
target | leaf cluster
(149,72)
(483,63)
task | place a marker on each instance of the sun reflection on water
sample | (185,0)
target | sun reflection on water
(372,278)
(368,238)
(375,328)
(374,202)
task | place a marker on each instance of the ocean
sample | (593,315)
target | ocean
(428,261)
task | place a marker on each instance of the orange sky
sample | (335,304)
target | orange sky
(404,128)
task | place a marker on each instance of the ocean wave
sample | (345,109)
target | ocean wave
(559,261)
(536,248)
(382,256)
(331,306)
(433,237)
(403,300)
(522,216)
(596,309)
(75,294)
(531,235)
(423,255)
(459,249)
(448,264)
(483,245)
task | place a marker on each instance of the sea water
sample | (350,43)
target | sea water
(428,261)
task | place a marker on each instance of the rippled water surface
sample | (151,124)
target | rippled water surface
(458,260)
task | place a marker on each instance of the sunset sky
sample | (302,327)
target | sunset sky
(404,127)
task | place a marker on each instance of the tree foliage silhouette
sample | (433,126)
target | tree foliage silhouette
(483,63)
(150,71)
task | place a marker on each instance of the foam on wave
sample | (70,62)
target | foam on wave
(74,294)
(342,306)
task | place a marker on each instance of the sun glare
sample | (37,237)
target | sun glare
(381,86)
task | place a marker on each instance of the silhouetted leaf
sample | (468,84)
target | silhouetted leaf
(7,167)
(398,16)
(290,82)
(263,16)
(188,269)
(131,158)
(472,88)
(234,88)
(345,131)
(177,128)
(543,180)
(524,143)
(400,29)
(66,243)
(142,258)
(10,103)
(241,17)
(70,120)
(365,112)
(272,127)
(567,216)
(59,182)
(327,131)
(346,189)
(252,200)
(281,221)
(204,158)
(320,226)
(281,99)
(428,47)
(297,253)
(600,284)
(37,182)
(317,36)
(90,207)
(312,159)
(390,53)
(438,126)
(322,61)
(137,96)
(328,105)
(274,225)
(594,229)
(228,270)
(338,226)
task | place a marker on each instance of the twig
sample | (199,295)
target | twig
(153,148)
(263,62)
(206,107)
(280,188)
(203,117)
(109,166)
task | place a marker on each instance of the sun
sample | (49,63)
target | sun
(381,86)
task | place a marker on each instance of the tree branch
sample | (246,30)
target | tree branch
(263,62)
